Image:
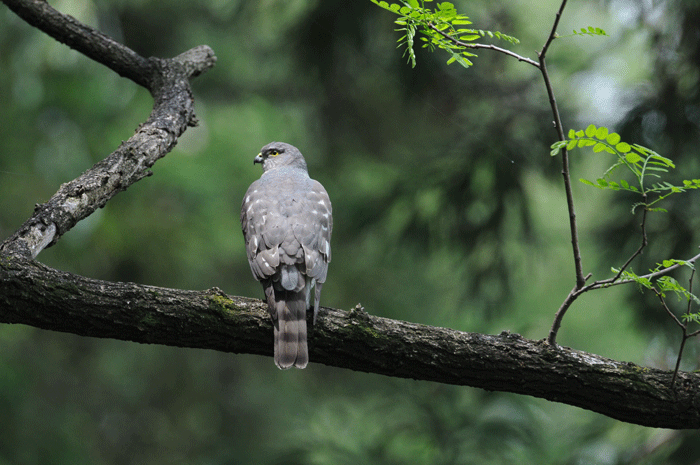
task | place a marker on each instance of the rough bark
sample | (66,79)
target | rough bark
(33,294)
(173,112)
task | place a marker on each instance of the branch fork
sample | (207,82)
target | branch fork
(173,112)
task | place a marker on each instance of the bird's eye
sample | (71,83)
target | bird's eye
(273,153)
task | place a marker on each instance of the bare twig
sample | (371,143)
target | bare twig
(684,327)
(580,279)
(683,339)
(553,32)
(636,253)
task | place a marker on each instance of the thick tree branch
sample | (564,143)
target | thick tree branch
(173,112)
(36,295)
(84,39)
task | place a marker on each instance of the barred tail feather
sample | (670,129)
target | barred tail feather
(290,344)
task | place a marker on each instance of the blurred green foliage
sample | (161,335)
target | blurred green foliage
(448,211)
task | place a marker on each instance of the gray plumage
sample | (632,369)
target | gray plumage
(287,221)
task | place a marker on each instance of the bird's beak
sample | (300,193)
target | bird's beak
(258,158)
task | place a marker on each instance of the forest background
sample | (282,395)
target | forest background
(448,211)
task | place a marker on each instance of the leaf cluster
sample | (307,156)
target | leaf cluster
(441,28)
(644,164)
(666,284)
(586,31)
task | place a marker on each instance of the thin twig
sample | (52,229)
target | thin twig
(484,46)
(690,290)
(653,275)
(559,316)
(553,33)
(635,254)
(578,267)
(575,293)
(668,310)
(684,338)
(678,360)
(683,326)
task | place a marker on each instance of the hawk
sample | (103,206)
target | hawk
(287,221)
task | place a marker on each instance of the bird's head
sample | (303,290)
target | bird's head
(277,154)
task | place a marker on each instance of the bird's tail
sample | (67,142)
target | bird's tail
(291,348)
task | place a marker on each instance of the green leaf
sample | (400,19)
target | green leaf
(632,157)
(623,147)
(658,159)
(572,134)
(587,182)
(601,133)
(590,130)
(613,138)
(571,145)
(599,147)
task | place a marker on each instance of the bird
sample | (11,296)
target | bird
(287,220)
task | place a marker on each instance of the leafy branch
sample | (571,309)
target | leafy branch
(667,284)
(589,31)
(442,28)
(440,24)
(643,163)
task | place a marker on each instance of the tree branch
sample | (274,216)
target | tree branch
(86,40)
(33,294)
(484,46)
(580,279)
(575,293)
(173,112)
(36,295)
